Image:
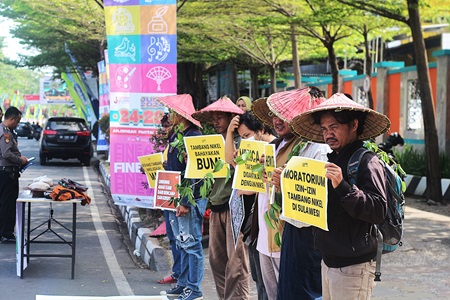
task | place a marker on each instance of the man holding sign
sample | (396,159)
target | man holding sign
(350,246)
(299,275)
(187,221)
(229,264)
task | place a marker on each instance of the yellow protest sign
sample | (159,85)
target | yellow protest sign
(269,166)
(244,178)
(202,153)
(151,163)
(304,191)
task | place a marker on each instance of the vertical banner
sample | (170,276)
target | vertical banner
(142,64)
(103,102)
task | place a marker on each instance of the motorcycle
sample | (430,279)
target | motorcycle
(37,132)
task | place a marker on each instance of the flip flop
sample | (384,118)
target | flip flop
(167,280)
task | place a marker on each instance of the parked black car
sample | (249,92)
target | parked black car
(24,129)
(65,138)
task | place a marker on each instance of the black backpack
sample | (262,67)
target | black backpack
(390,232)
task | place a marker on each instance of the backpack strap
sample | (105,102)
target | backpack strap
(353,165)
(379,252)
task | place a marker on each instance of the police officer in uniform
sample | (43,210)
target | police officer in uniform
(10,162)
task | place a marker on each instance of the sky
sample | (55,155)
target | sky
(13,47)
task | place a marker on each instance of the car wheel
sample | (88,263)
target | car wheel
(30,137)
(43,160)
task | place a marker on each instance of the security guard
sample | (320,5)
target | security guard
(10,162)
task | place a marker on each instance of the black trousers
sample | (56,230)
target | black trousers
(9,191)
(300,265)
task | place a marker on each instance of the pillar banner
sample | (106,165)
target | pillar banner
(244,178)
(103,102)
(142,66)
(304,191)
(202,153)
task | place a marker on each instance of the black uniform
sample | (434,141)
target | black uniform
(10,162)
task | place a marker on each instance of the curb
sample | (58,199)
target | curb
(148,248)
(417,186)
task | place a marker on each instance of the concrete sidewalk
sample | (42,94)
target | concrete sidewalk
(420,269)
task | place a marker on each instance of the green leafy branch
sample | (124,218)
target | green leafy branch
(272,215)
(387,159)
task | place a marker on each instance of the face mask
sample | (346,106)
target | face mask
(252,138)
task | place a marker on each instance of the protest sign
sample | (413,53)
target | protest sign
(304,191)
(166,182)
(244,178)
(202,153)
(151,163)
(269,166)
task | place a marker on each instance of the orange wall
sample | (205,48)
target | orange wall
(373,87)
(348,85)
(394,101)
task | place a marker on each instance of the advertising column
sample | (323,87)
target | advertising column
(142,66)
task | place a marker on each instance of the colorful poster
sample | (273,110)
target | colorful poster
(165,190)
(269,166)
(202,154)
(244,178)
(304,191)
(142,58)
(151,163)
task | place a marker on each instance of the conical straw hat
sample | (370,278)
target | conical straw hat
(304,126)
(182,105)
(223,104)
(286,105)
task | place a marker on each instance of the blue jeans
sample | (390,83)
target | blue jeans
(188,234)
(176,268)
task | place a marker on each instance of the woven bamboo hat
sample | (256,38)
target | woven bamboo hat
(182,105)
(304,126)
(223,104)
(286,105)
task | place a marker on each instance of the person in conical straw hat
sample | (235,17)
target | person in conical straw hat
(350,245)
(229,263)
(188,218)
(299,275)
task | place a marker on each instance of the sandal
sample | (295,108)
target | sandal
(167,280)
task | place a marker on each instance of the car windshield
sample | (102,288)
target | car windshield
(67,125)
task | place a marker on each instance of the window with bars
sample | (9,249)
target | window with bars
(362,97)
(414,109)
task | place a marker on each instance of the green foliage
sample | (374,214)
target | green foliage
(414,162)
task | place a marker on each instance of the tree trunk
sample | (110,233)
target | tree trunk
(368,65)
(237,93)
(332,59)
(273,79)
(295,58)
(434,187)
(255,84)
(200,97)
